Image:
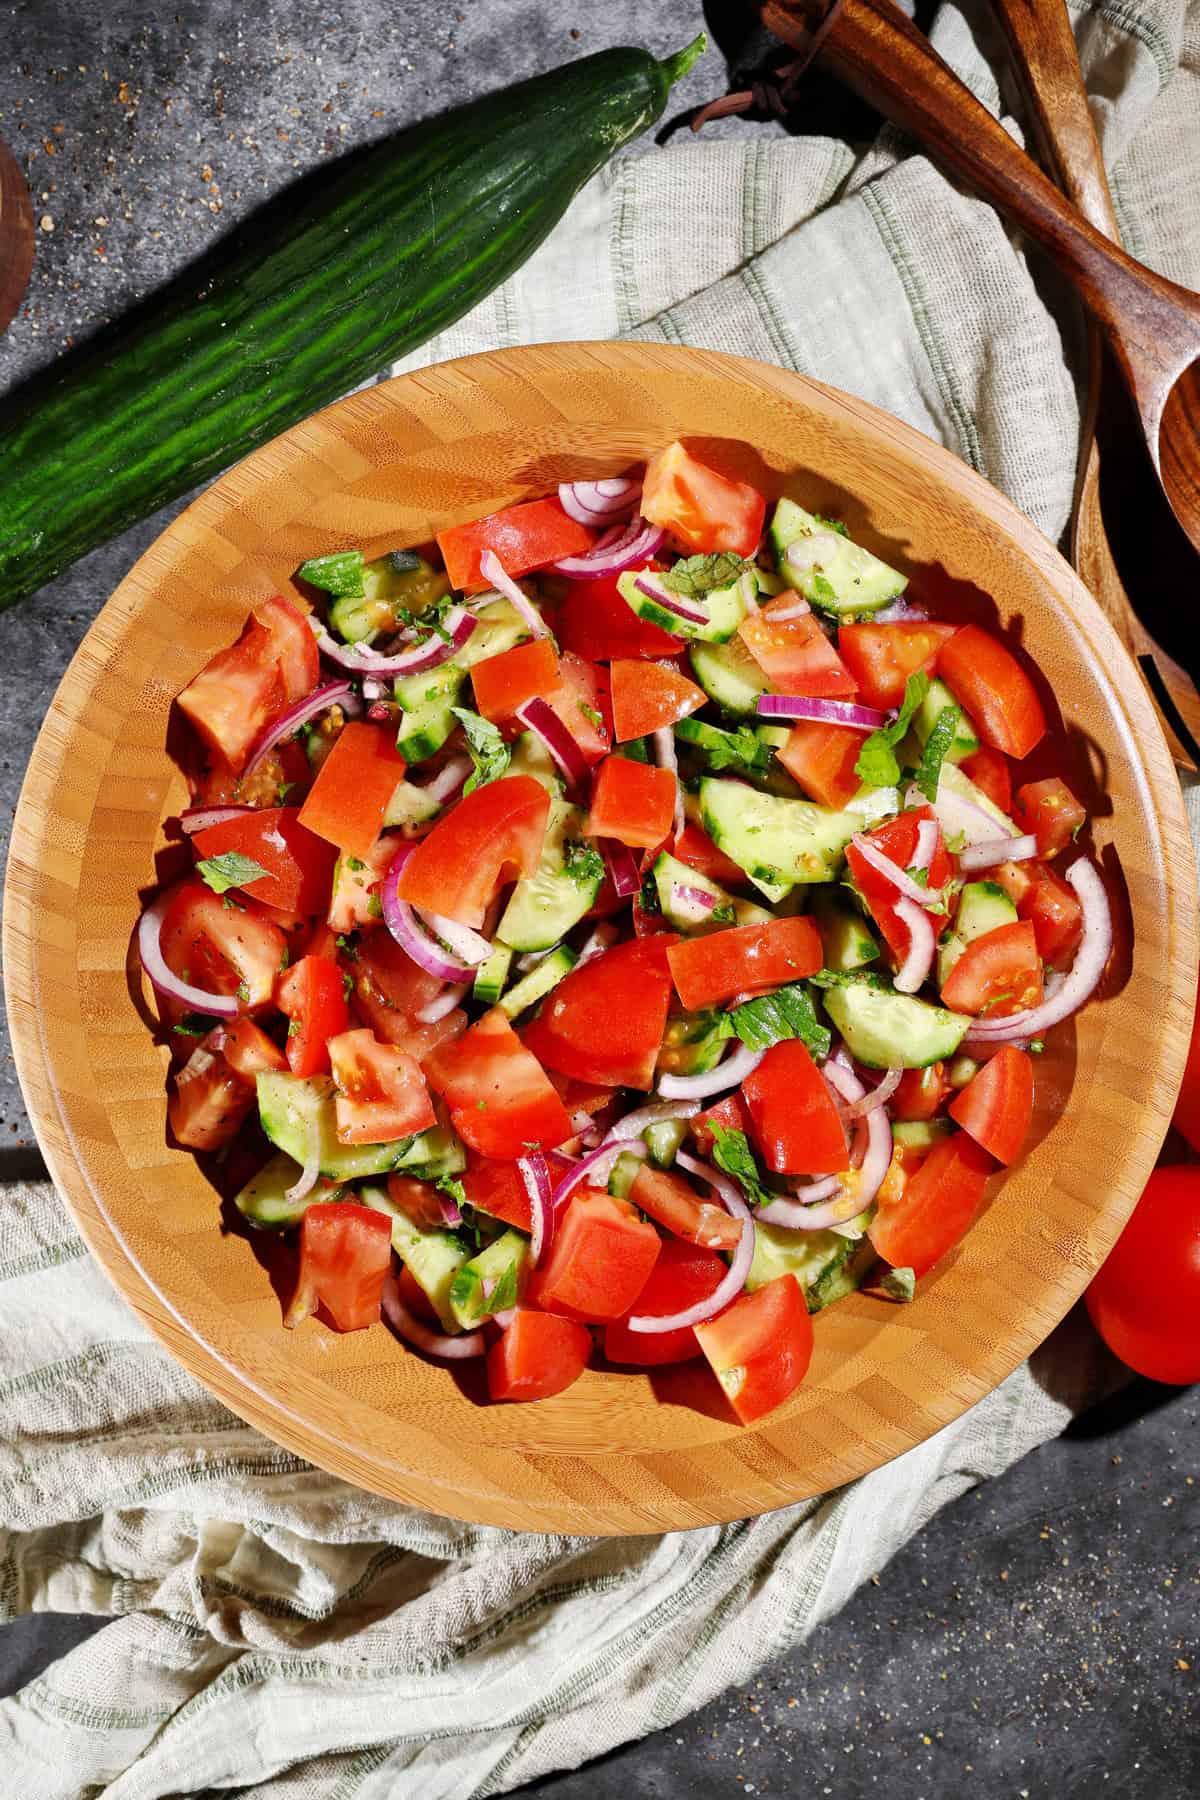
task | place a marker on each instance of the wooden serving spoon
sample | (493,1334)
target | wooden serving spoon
(16,237)
(1152,325)
(1043,49)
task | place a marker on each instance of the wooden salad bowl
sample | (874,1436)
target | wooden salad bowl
(620,1451)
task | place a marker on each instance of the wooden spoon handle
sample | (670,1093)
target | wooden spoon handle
(1043,49)
(876,51)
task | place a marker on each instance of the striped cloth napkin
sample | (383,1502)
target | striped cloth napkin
(276,1631)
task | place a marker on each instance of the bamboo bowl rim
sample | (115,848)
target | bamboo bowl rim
(631,1452)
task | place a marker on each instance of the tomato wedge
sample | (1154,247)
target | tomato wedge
(236,694)
(1052,907)
(580,697)
(223,949)
(388,992)
(648,696)
(822,758)
(701,509)
(897,840)
(684,1275)
(605,1022)
(795,654)
(209,1098)
(356,884)
(524,537)
(729,1113)
(882,657)
(595,622)
(292,645)
(347,802)
(504,682)
(298,865)
(345,1255)
(421,1202)
(743,959)
(996,1106)
(677,1207)
(600,1260)
(381,1090)
(312,996)
(936,1206)
(497,1188)
(248,1050)
(920,1093)
(989,681)
(538,1356)
(794,1120)
(1051,812)
(990,772)
(492,835)
(760,1348)
(501,1101)
(632,802)
(998,974)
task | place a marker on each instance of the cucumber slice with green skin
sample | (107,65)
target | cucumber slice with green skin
(491,976)
(544,906)
(537,983)
(491,1282)
(723,746)
(433,1258)
(827,1265)
(966,738)
(920,1134)
(846,941)
(725,607)
(871,804)
(953,778)
(729,675)
(663,1139)
(886,1030)
(778,842)
(387,591)
(730,909)
(983,906)
(838,576)
(428,701)
(409,805)
(623,1174)
(264,1203)
(292,1108)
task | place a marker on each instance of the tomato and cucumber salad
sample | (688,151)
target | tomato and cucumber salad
(620,929)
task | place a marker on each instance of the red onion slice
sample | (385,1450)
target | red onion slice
(731,1284)
(635,1123)
(876,1096)
(493,570)
(666,758)
(598,941)
(445,1003)
(729,1073)
(460,940)
(796,609)
(974,857)
(1091,958)
(922,945)
(823,1189)
(149,931)
(535,1178)
(653,588)
(504,1319)
(433,1343)
(337,693)
(200,818)
(542,719)
(402,921)
(615,552)
(598,502)
(958,816)
(692,904)
(826,712)
(434,650)
(449,781)
(892,872)
(597,1165)
(310,1174)
(623,870)
(927,837)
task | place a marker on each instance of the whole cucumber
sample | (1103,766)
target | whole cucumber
(408,237)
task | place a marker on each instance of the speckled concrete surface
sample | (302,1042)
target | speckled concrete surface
(1039,1640)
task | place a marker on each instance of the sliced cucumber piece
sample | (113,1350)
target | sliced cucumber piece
(846,939)
(826,1264)
(886,1030)
(544,906)
(725,608)
(393,584)
(920,1134)
(953,778)
(537,983)
(778,842)
(491,976)
(490,1282)
(693,1043)
(729,675)
(966,738)
(744,750)
(409,805)
(831,570)
(983,906)
(264,1200)
(663,1139)
(623,1174)
(730,909)
(498,627)
(433,1258)
(428,701)
(292,1108)
(529,756)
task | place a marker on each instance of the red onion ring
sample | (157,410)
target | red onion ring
(493,570)
(461,940)
(883,865)
(958,816)
(449,781)
(598,502)
(622,865)
(666,757)
(540,718)
(433,1343)
(1091,958)
(727,1074)
(149,931)
(535,1178)
(634,1124)
(809,1191)
(615,552)
(337,693)
(310,1174)
(873,1097)
(601,939)
(429,654)
(973,857)
(445,1003)
(731,1285)
(402,921)
(653,588)
(922,946)
(826,712)
(692,904)
(796,610)
(927,837)
(597,1163)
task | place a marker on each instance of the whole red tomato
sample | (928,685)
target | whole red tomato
(1145,1302)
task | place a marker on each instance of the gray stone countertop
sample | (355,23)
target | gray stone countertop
(1039,1639)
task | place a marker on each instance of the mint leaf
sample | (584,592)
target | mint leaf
(830,525)
(741,749)
(937,745)
(583,862)
(877,764)
(340,574)
(231,870)
(787,1013)
(732,1152)
(697,576)
(450,1184)
(489,752)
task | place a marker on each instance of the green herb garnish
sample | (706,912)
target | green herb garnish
(489,752)
(732,1153)
(771,1018)
(877,764)
(230,870)
(937,746)
(582,862)
(697,576)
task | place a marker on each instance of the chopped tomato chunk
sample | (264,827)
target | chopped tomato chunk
(312,996)
(936,1206)
(389,991)
(292,645)
(684,1275)
(597,624)
(209,1099)
(248,1050)
(524,537)
(348,800)
(760,1348)
(986,677)
(501,1101)
(729,1113)
(998,974)
(581,699)
(743,959)
(1050,811)
(297,865)
(996,1106)
(492,835)
(794,653)
(882,657)
(1052,907)
(701,509)
(381,1090)
(600,1260)
(345,1255)
(990,772)
(677,1207)
(822,758)
(421,1202)
(632,802)
(222,949)
(538,1356)
(648,696)
(605,1022)
(921,1093)
(504,682)
(897,840)
(497,1188)
(236,694)
(794,1120)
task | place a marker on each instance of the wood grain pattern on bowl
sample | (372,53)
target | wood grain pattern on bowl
(618,1452)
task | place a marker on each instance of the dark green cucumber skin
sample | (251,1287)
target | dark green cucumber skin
(419,230)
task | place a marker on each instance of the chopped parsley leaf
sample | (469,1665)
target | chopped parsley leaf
(230,870)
